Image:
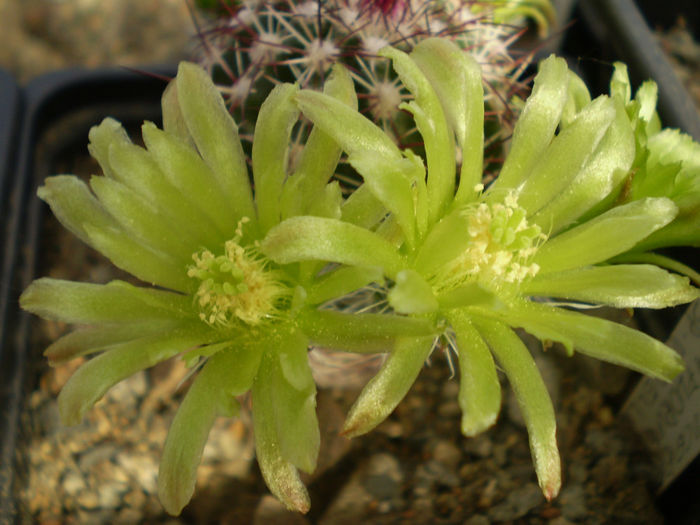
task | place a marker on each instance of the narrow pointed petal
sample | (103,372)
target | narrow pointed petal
(604,171)
(432,126)
(595,337)
(271,151)
(187,171)
(74,205)
(320,155)
(536,125)
(280,474)
(456,78)
(386,172)
(101,137)
(135,167)
(116,302)
(386,389)
(318,238)
(620,285)
(362,333)
(294,392)
(533,399)
(228,373)
(84,341)
(137,216)
(564,158)
(89,383)
(149,265)
(479,389)
(216,136)
(615,231)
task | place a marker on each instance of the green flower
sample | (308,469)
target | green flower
(480,263)
(181,215)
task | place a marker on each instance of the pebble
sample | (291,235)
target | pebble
(447,453)
(572,501)
(517,504)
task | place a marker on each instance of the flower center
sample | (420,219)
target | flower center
(501,244)
(235,286)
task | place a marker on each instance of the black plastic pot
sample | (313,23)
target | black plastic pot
(50,116)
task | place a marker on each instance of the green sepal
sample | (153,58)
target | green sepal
(228,373)
(620,285)
(479,390)
(321,239)
(271,151)
(456,78)
(216,136)
(614,232)
(389,386)
(89,383)
(411,294)
(533,399)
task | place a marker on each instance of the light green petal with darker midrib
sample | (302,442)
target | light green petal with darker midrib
(271,139)
(456,77)
(620,285)
(92,339)
(536,125)
(308,238)
(89,383)
(280,474)
(389,386)
(186,171)
(216,135)
(431,123)
(533,399)
(593,336)
(362,332)
(116,302)
(605,236)
(479,389)
(228,373)
(386,172)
